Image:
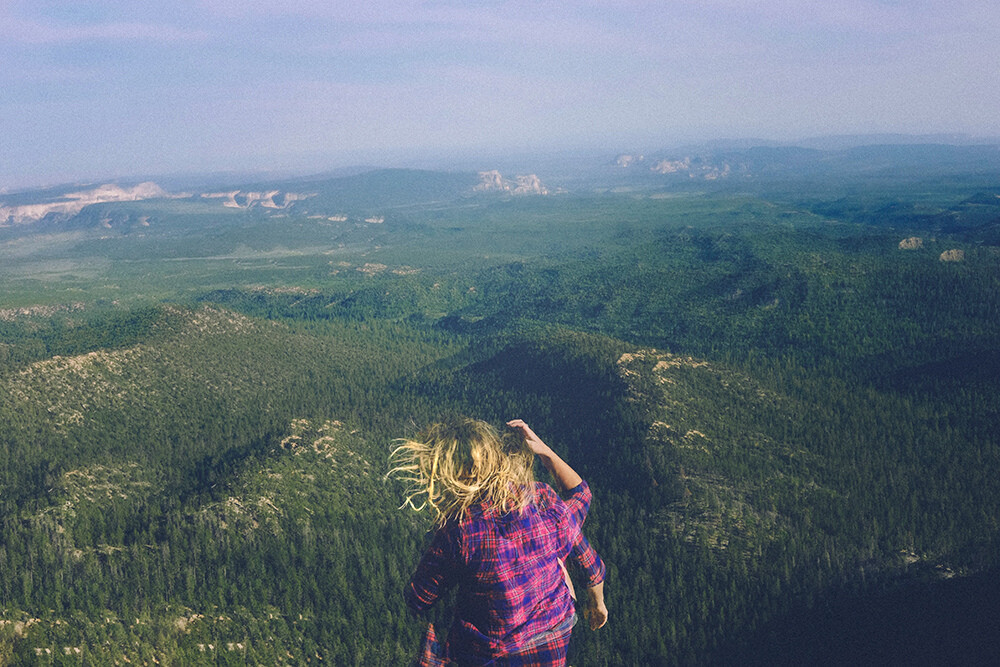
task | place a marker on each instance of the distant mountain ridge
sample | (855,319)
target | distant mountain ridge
(370,193)
(72,203)
(365,195)
(709,163)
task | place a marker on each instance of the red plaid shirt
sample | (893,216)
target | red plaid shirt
(510,586)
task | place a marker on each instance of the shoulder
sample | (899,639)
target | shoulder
(545,496)
(548,503)
(581,490)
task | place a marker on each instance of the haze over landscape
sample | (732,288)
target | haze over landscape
(110,88)
(739,263)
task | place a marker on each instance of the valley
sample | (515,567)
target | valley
(785,405)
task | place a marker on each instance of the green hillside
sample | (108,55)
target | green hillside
(784,413)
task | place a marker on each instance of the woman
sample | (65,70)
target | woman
(501,539)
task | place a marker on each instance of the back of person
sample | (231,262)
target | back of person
(511,587)
(501,539)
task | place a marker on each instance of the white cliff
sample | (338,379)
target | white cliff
(523,184)
(245,199)
(72,203)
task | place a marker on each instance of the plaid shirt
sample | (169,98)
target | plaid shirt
(510,585)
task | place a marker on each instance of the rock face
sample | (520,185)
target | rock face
(694,168)
(72,203)
(529,185)
(671,166)
(626,160)
(270,199)
(493,181)
(490,181)
(912,243)
(953,255)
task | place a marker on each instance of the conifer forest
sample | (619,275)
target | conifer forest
(783,388)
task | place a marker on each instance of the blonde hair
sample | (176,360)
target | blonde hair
(455,464)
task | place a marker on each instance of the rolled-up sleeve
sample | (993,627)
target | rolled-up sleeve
(584,557)
(578,502)
(581,553)
(434,573)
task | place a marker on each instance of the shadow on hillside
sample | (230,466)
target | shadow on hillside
(945,622)
(976,366)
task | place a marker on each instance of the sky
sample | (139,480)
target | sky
(93,89)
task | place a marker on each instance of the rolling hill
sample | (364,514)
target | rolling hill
(786,406)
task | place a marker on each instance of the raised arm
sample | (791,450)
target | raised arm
(565,476)
(581,554)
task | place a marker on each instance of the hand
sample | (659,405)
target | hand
(596,616)
(534,443)
(565,476)
(596,612)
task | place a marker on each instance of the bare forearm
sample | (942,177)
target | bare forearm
(560,470)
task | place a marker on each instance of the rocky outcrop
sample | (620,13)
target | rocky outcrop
(912,243)
(529,185)
(12,314)
(693,168)
(493,181)
(953,255)
(274,199)
(626,160)
(72,203)
(672,166)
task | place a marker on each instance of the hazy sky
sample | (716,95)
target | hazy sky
(97,88)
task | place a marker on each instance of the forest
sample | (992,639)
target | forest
(783,391)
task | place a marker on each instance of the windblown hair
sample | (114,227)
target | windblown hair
(455,464)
